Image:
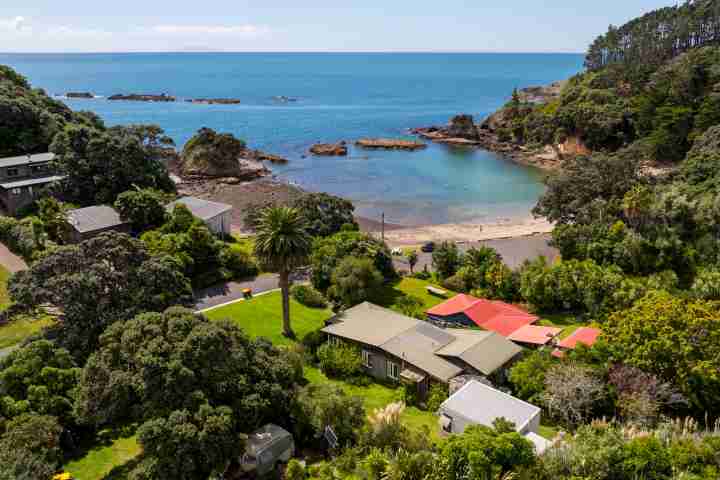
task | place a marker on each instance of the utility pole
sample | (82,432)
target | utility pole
(382,228)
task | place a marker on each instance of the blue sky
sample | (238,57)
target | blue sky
(310,25)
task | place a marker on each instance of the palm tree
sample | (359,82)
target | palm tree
(282,244)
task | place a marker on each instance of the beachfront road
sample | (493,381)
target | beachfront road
(514,251)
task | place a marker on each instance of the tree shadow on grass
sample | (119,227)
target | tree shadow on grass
(122,472)
(388,295)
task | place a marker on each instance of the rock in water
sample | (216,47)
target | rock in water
(143,97)
(390,144)
(214,101)
(463,126)
(219,155)
(79,95)
(329,149)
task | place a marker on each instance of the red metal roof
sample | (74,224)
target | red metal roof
(534,334)
(495,316)
(586,335)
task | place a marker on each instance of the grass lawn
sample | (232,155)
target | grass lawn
(547,431)
(4,277)
(567,321)
(100,460)
(378,396)
(414,287)
(262,317)
(21,327)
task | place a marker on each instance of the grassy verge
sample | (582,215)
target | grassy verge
(378,396)
(104,460)
(4,296)
(262,317)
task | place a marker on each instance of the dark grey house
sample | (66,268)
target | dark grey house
(87,222)
(23,178)
(402,349)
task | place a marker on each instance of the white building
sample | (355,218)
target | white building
(479,404)
(215,215)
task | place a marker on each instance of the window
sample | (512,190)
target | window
(16,191)
(367,362)
(393,370)
(12,172)
(335,341)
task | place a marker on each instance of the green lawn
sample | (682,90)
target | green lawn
(21,327)
(378,396)
(4,277)
(262,317)
(414,287)
(102,459)
(567,321)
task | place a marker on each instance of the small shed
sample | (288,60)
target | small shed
(88,222)
(479,404)
(215,215)
(266,447)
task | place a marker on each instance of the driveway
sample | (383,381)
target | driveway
(514,251)
(10,261)
(231,291)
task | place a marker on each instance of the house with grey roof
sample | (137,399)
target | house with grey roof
(479,404)
(214,214)
(398,348)
(88,222)
(23,178)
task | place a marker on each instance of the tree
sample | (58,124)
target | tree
(158,363)
(109,278)
(143,208)
(99,165)
(30,448)
(188,445)
(38,378)
(446,259)
(528,375)
(326,405)
(572,391)
(673,338)
(354,280)
(52,214)
(412,259)
(282,244)
(326,214)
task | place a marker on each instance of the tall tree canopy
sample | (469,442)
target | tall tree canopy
(98,282)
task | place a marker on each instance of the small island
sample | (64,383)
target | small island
(135,97)
(214,101)
(390,144)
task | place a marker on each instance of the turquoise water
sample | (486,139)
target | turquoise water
(340,97)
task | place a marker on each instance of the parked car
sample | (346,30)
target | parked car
(265,448)
(428,247)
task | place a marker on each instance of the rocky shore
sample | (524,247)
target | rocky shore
(390,144)
(136,97)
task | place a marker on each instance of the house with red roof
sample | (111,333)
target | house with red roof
(492,315)
(584,335)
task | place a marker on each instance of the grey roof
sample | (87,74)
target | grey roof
(202,209)
(484,350)
(26,159)
(422,344)
(31,181)
(483,404)
(91,219)
(260,438)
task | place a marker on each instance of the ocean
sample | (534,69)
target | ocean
(340,96)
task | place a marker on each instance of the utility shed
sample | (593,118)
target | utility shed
(88,222)
(215,215)
(479,404)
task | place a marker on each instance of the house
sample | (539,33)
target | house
(534,335)
(584,335)
(492,315)
(23,178)
(88,222)
(402,349)
(215,215)
(479,404)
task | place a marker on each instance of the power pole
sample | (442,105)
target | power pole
(382,228)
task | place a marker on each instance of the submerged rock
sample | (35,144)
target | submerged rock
(390,144)
(214,101)
(329,149)
(163,97)
(79,95)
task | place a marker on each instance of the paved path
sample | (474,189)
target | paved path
(514,251)
(231,291)
(10,261)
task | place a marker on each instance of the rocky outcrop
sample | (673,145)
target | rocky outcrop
(209,154)
(261,156)
(135,97)
(390,144)
(541,94)
(329,149)
(462,126)
(79,95)
(214,101)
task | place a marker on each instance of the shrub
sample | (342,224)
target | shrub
(18,236)
(312,341)
(321,405)
(238,262)
(308,296)
(438,394)
(456,283)
(354,281)
(295,470)
(340,361)
(446,259)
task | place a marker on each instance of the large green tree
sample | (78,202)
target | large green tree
(95,283)
(326,214)
(30,448)
(283,244)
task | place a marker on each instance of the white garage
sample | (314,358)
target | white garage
(215,215)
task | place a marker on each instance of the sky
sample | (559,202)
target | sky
(310,25)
